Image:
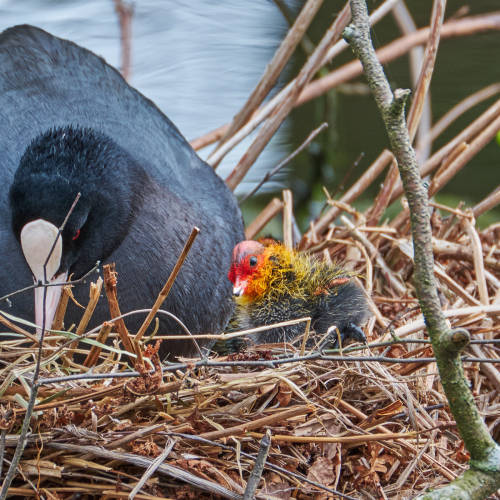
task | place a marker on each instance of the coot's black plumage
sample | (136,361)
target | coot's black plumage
(69,123)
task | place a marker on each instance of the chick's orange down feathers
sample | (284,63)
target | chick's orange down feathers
(273,284)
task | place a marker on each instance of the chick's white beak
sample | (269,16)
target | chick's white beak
(37,239)
(239,288)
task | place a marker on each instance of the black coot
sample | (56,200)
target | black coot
(69,123)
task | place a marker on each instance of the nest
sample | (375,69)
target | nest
(282,420)
(366,421)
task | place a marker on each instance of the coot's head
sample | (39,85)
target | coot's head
(55,167)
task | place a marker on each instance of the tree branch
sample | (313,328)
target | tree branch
(484,474)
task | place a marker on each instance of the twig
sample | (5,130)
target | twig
(152,468)
(46,285)
(167,287)
(258,468)
(407,25)
(425,77)
(470,424)
(286,161)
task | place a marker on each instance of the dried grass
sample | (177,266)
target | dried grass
(360,425)
(369,422)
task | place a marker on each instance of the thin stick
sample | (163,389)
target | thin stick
(286,161)
(491,201)
(125,13)
(152,468)
(168,285)
(258,468)
(425,77)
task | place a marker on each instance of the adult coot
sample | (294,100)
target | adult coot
(70,123)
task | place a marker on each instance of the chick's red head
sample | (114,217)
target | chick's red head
(248,259)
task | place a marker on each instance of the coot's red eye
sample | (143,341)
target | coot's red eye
(76,235)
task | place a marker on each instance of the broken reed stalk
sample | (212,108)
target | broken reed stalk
(168,285)
(485,467)
(94,294)
(125,13)
(95,350)
(58,322)
(110,280)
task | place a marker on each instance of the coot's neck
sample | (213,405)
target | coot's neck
(65,161)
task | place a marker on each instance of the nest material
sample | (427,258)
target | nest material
(364,427)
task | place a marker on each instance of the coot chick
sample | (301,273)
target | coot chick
(273,284)
(69,123)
